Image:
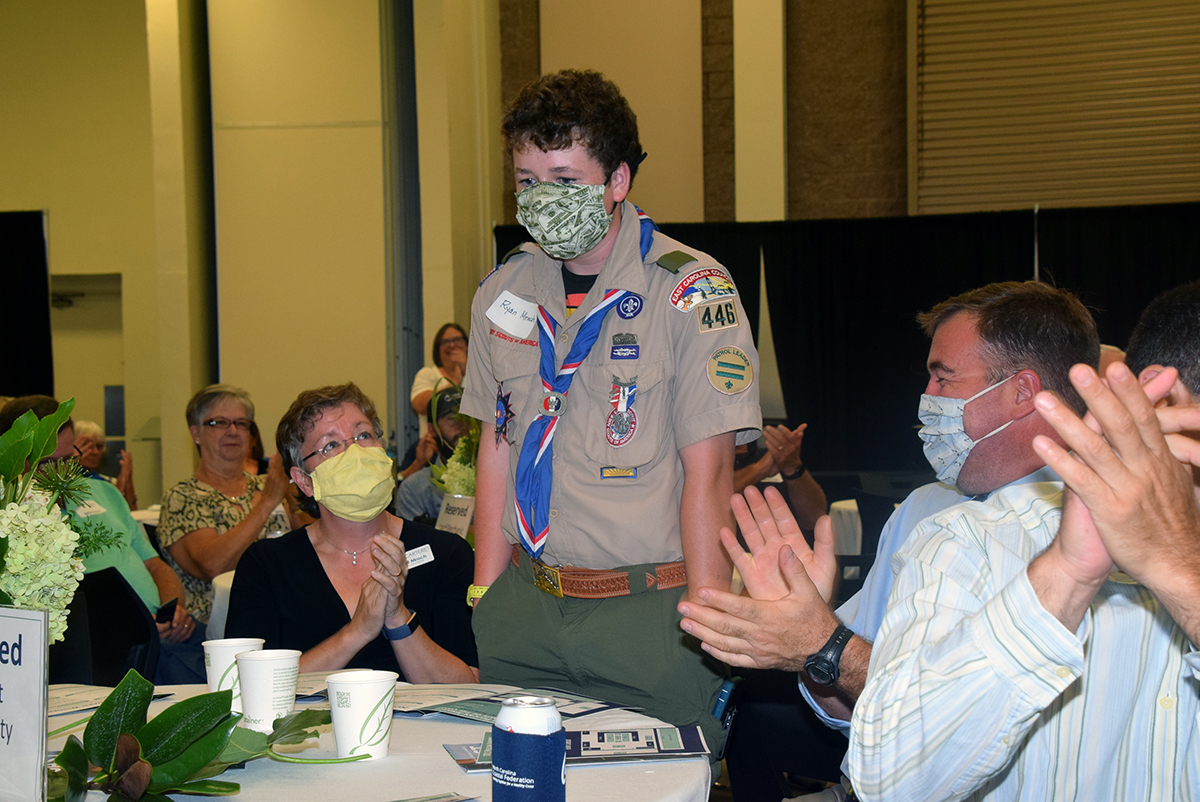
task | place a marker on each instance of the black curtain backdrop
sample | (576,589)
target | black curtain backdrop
(28,364)
(1118,259)
(844,295)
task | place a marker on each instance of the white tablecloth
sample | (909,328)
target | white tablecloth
(417,766)
(847,527)
(221,585)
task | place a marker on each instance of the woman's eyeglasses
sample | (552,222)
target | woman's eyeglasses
(365,439)
(243,424)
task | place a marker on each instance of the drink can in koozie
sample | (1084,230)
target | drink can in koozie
(529,752)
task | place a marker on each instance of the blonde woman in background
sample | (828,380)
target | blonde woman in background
(89,448)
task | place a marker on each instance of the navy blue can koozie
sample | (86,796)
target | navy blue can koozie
(529,752)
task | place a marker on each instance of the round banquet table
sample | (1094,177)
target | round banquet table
(417,765)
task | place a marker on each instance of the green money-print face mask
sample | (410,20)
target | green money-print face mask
(567,220)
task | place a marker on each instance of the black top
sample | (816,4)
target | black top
(282,595)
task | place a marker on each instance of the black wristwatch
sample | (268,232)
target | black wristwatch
(822,667)
(796,474)
(404,630)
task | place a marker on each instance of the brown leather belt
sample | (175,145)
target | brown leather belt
(589,583)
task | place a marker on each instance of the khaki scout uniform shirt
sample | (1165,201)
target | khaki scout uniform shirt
(609,522)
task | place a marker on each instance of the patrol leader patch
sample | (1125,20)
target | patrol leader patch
(700,286)
(716,316)
(730,370)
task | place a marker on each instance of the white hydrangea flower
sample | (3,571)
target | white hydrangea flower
(459,479)
(40,569)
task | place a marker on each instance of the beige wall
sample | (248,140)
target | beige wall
(89,350)
(75,140)
(652,52)
(458,94)
(298,161)
(182,135)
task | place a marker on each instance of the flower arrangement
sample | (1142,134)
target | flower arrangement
(40,548)
(457,476)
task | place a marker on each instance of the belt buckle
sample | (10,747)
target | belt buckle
(547,579)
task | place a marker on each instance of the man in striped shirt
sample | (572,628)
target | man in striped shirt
(992,350)
(1042,647)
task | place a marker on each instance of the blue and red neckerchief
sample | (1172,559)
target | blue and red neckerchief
(535,466)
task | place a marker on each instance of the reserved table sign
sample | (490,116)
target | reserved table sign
(23,637)
(456,514)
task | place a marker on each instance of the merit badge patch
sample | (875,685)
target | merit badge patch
(504,413)
(717,316)
(703,285)
(622,421)
(630,306)
(730,370)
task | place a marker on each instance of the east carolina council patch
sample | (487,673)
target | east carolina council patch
(730,370)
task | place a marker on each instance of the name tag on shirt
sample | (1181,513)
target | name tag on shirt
(515,315)
(419,556)
(89,508)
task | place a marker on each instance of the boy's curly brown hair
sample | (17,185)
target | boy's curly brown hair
(556,111)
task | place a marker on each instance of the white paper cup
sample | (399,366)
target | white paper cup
(268,679)
(221,667)
(360,703)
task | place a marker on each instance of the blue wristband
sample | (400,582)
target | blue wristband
(404,630)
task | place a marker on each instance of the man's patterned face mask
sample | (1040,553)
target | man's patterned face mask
(567,220)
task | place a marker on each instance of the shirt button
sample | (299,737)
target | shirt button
(1166,703)
(553,513)
(562,338)
(1004,740)
(1063,672)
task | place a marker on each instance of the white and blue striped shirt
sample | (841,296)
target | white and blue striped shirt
(976,692)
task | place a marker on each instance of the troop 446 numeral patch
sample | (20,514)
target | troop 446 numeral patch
(716,316)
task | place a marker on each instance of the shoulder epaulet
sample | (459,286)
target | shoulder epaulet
(514,252)
(673,260)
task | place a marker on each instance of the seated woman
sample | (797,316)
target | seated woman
(340,590)
(207,521)
(89,448)
(449,359)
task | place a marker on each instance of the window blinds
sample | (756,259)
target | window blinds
(1052,102)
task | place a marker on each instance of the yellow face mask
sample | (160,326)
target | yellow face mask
(356,485)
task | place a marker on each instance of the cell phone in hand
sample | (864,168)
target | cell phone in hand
(166,613)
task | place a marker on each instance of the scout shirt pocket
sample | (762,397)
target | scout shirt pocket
(515,369)
(624,434)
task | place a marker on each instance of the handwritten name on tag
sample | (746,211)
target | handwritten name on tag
(515,315)
(419,556)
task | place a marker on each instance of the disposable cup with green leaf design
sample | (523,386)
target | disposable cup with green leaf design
(221,666)
(360,703)
(268,679)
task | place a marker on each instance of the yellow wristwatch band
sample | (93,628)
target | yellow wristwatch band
(475,593)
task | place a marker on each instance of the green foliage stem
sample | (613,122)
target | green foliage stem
(123,711)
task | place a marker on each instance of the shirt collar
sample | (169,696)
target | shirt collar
(623,270)
(1043,474)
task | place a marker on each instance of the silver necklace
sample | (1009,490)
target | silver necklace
(353,555)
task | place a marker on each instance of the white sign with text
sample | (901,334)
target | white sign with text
(23,635)
(456,514)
